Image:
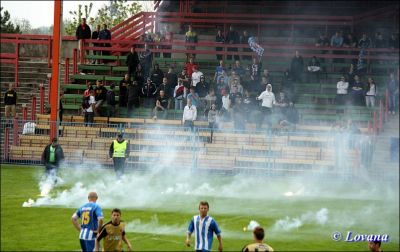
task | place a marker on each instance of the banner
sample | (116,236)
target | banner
(255,47)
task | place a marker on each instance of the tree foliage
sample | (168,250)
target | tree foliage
(6,26)
(112,14)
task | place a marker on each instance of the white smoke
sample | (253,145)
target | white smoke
(287,224)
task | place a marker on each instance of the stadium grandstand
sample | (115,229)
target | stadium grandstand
(306,130)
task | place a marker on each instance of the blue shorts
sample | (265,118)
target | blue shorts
(87,245)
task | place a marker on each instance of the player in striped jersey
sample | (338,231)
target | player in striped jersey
(204,227)
(258,245)
(92,220)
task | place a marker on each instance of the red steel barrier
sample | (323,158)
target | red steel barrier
(15,131)
(6,142)
(66,71)
(33,108)
(75,61)
(41,104)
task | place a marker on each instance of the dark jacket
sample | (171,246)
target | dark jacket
(132,59)
(111,98)
(83,33)
(157,76)
(149,90)
(123,92)
(95,34)
(101,93)
(133,92)
(10,97)
(59,154)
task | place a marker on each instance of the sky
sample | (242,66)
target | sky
(40,13)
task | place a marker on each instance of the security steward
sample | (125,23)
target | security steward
(119,150)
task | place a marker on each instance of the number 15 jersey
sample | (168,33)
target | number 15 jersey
(89,213)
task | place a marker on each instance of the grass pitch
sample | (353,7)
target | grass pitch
(157,215)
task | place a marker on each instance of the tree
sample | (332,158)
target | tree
(6,26)
(70,25)
(24,25)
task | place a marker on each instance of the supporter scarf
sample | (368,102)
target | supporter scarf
(255,47)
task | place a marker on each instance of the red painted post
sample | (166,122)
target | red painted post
(16,63)
(75,61)
(66,71)
(82,52)
(41,102)
(33,108)
(49,52)
(6,142)
(49,90)
(24,112)
(15,131)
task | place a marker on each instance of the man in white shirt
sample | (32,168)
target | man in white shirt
(196,76)
(189,114)
(268,100)
(88,105)
(341,93)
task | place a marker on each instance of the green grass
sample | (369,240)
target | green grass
(158,221)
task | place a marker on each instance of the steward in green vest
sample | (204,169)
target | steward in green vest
(119,150)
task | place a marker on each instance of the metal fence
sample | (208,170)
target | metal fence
(199,149)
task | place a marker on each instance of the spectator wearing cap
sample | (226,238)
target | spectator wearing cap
(111,102)
(202,87)
(196,76)
(88,107)
(157,75)
(149,91)
(119,150)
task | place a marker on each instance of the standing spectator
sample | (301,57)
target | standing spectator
(244,41)
(133,97)
(157,75)
(179,94)
(10,102)
(204,227)
(219,38)
(341,92)
(111,102)
(219,70)
(314,68)
(172,80)
(123,91)
(255,71)
(232,38)
(168,90)
(114,233)
(189,114)
(82,32)
(190,66)
(392,88)
(370,93)
(212,119)
(190,37)
(185,77)
(132,61)
(146,60)
(161,106)
(202,87)
(357,92)
(105,34)
(100,97)
(119,151)
(268,100)
(88,107)
(139,76)
(95,35)
(194,97)
(91,215)
(258,245)
(196,76)
(364,42)
(149,90)
(168,38)
(52,157)
(238,69)
(393,41)
(296,68)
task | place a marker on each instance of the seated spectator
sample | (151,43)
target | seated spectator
(244,38)
(123,91)
(219,70)
(393,41)
(179,94)
(168,90)
(202,87)
(322,41)
(134,93)
(268,99)
(190,37)
(236,87)
(337,42)
(189,114)
(194,97)
(314,68)
(371,93)
(190,66)
(161,106)
(268,76)
(364,42)
(111,102)
(238,69)
(157,75)
(196,76)
(232,38)
(149,91)
(232,77)
(100,97)
(238,114)
(357,92)
(341,93)
(350,41)
(219,38)
(297,68)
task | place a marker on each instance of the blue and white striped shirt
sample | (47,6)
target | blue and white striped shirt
(89,214)
(203,231)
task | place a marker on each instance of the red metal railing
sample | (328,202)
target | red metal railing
(42,95)
(15,132)
(66,72)
(6,142)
